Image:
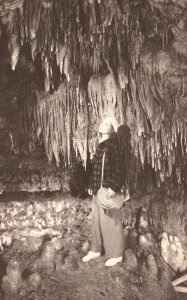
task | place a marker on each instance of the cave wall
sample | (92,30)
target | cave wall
(23,167)
(33,215)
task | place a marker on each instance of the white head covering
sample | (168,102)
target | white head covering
(113,121)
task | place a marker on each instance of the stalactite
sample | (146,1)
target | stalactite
(14,43)
(83,39)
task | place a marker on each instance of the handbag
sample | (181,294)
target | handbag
(115,202)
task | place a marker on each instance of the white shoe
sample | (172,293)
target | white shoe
(113,261)
(91,255)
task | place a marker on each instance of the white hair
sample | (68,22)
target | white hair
(113,122)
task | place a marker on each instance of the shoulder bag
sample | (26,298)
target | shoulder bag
(115,202)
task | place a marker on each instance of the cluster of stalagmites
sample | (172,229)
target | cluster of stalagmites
(55,251)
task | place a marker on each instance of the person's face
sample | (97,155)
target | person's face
(105,127)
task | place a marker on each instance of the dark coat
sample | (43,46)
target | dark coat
(112,166)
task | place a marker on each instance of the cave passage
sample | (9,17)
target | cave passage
(64,67)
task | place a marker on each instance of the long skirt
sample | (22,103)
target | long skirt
(107,232)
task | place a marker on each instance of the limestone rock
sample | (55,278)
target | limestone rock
(143,221)
(151,264)
(46,261)
(145,240)
(130,260)
(12,280)
(35,280)
(71,263)
(173,252)
(133,238)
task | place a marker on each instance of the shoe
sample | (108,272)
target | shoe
(91,255)
(113,261)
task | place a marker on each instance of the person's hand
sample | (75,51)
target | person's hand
(110,193)
(90,192)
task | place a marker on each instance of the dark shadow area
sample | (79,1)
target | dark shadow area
(79,176)
(124,137)
(137,177)
(3,266)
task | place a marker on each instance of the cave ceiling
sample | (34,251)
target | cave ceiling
(118,57)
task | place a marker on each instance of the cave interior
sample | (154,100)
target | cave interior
(65,65)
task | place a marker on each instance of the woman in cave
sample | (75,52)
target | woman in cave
(107,231)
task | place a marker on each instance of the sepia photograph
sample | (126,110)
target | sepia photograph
(93,149)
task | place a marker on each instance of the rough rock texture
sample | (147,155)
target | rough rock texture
(12,281)
(157,209)
(23,167)
(38,215)
(31,174)
(47,254)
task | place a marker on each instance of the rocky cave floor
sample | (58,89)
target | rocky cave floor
(46,263)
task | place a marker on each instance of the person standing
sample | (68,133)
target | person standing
(107,231)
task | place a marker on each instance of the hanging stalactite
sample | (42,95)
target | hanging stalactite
(116,58)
